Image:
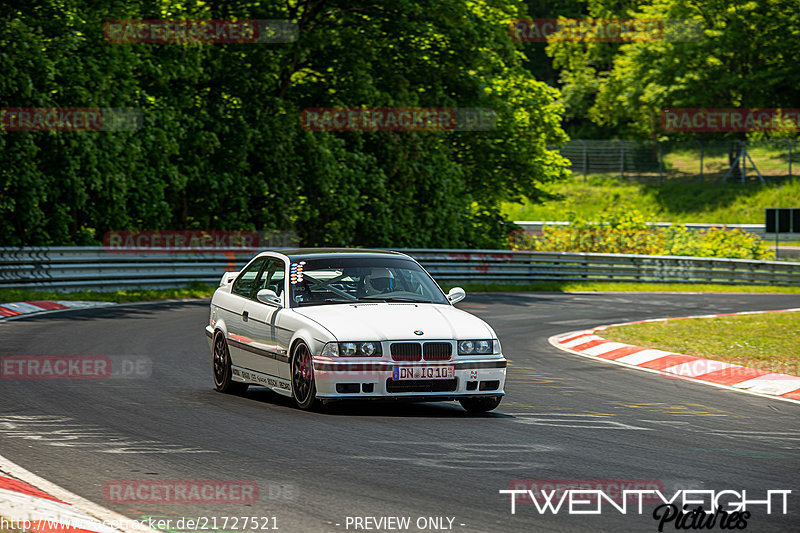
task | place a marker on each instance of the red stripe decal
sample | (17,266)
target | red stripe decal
(731,375)
(5,311)
(590,344)
(20,486)
(578,336)
(669,360)
(621,352)
(47,305)
(795,394)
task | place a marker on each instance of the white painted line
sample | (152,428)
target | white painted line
(581,340)
(771,384)
(18,506)
(645,356)
(554,342)
(22,307)
(606,347)
(80,304)
(9,469)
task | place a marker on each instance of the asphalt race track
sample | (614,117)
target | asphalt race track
(564,418)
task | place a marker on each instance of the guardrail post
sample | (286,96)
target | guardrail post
(701,160)
(586,160)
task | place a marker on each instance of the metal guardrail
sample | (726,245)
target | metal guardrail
(78,268)
(759,230)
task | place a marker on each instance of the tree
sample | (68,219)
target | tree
(222,146)
(744,58)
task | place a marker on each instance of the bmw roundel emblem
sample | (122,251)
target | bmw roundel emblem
(419,332)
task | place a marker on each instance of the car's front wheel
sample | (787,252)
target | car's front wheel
(480,405)
(304,389)
(223,375)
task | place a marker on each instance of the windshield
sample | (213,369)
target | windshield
(353,279)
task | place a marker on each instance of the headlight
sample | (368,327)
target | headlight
(479,347)
(352,349)
(347,349)
(331,349)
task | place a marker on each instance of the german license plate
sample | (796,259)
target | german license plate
(422,372)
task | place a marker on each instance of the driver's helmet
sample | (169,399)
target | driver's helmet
(379,281)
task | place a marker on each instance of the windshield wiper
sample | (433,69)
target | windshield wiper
(327,301)
(396,299)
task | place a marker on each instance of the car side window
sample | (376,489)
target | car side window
(272,276)
(245,283)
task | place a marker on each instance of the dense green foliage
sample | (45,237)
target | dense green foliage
(222,147)
(745,58)
(624,231)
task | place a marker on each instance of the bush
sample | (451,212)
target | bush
(626,232)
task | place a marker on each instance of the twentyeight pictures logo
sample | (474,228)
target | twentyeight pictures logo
(685,509)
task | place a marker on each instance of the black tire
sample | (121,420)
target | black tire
(221,367)
(304,390)
(476,406)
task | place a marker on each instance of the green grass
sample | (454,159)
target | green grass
(600,286)
(132,295)
(770,158)
(763,341)
(677,201)
(206,291)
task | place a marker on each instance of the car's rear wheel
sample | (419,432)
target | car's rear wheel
(304,390)
(223,375)
(480,405)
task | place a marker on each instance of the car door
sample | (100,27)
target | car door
(259,320)
(241,293)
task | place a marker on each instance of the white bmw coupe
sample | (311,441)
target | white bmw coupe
(333,324)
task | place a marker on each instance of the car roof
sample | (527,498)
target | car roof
(302,254)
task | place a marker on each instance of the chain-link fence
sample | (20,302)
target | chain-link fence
(728,161)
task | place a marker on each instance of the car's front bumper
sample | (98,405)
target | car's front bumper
(343,379)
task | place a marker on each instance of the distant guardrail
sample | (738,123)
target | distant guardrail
(536,226)
(79,268)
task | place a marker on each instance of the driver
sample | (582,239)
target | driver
(379,281)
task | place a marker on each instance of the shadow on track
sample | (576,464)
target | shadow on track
(373,408)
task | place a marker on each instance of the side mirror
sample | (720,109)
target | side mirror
(456,294)
(269,297)
(227,278)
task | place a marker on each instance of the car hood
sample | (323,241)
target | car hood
(397,321)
